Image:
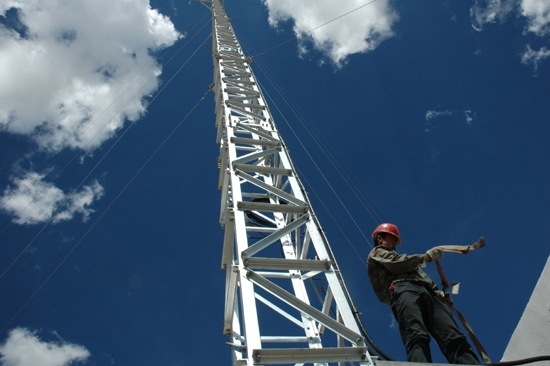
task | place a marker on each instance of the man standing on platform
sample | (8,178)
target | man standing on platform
(399,281)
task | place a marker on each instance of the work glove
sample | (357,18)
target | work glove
(435,254)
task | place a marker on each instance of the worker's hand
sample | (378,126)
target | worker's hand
(435,254)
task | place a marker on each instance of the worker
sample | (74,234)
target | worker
(399,281)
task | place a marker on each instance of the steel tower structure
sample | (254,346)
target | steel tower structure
(274,251)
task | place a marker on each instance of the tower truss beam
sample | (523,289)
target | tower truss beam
(275,252)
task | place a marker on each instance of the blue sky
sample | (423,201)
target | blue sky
(437,112)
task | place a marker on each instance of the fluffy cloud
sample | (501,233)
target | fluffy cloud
(31,200)
(71,72)
(359,31)
(24,348)
(538,13)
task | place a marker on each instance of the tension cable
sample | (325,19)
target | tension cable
(105,211)
(311,30)
(461,249)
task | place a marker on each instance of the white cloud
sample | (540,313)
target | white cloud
(31,200)
(24,348)
(432,114)
(81,68)
(71,73)
(357,32)
(535,12)
(469,117)
(531,56)
(490,11)
(538,13)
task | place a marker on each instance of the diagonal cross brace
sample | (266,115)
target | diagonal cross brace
(308,310)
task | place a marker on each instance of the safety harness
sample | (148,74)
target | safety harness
(461,249)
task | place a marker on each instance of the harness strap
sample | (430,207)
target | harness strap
(467,326)
(444,280)
(470,331)
(462,249)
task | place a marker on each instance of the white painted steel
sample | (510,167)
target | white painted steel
(270,225)
(532,334)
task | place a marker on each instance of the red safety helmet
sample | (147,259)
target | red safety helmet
(387,228)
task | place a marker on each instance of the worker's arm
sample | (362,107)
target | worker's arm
(398,263)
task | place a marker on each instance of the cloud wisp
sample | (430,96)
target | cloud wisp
(468,115)
(490,11)
(535,57)
(432,114)
(536,14)
(365,25)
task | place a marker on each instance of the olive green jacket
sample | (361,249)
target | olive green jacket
(385,266)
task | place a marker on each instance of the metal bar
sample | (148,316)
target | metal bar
(241,90)
(256,131)
(276,339)
(228,239)
(310,274)
(225,196)
(326,307)
(262,169)
(268,240)
(279,310)
(271,189)
(223,165)
(270,207)
(243,140)
(245,112)
(236,80)
(287,264)
(246,148)
(256,156)
(280,356)
(266,274)
(261,229)
(230,297)
(232,104)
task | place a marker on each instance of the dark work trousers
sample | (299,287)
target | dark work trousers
(420,313)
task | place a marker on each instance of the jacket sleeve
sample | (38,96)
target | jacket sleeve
(397,263)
